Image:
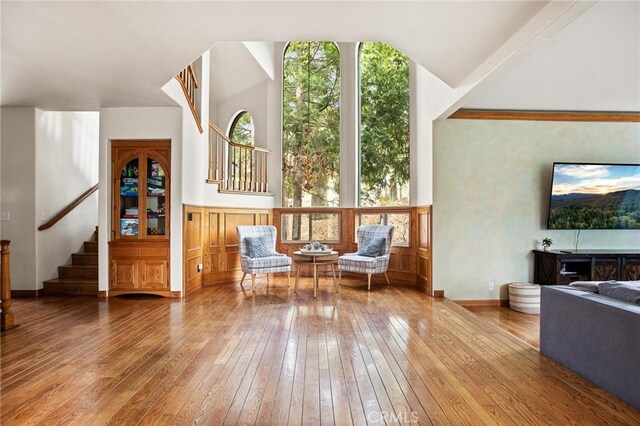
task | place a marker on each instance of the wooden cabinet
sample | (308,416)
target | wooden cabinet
(558,267)
(139,250)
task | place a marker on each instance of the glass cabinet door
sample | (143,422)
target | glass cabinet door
(129,199)
(156,198)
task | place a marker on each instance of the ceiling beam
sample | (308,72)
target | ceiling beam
(544,25)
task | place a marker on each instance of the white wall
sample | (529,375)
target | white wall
(492,182)
(66,161)
(18,193)
(131,124)
(421,136)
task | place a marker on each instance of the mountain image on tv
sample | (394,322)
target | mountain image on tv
(595,196)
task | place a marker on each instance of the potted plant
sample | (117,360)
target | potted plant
(546,243)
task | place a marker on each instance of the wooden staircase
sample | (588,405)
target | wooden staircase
(81,277)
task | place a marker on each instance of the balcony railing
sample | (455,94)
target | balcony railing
(236,167)
(189,83)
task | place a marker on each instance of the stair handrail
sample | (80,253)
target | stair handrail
(234,166)
(189,83)
(6,316)
(62,213)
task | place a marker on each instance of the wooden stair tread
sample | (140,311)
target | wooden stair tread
(71,281)
(79,266)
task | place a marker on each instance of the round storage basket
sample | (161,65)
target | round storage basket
(524,297)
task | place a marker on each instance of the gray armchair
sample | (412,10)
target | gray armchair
(266,260)
(378,264)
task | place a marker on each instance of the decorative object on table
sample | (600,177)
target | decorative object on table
(262,238)
(315,247)
(546,243)
(525,298)
(368,261)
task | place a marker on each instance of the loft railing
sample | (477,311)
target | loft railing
(189,83)
(62,213)
(6,316)
(236,167)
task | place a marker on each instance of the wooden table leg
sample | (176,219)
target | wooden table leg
(315,279)
(295,286)
(335,284)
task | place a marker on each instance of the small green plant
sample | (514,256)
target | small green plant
(547,242)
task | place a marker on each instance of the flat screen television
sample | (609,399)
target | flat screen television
(594,196)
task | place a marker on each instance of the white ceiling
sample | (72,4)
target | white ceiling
(87,55)
(82,55)
(592,65)
(233,70)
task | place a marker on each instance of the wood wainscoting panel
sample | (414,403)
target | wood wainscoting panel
(216,246)
(232,250)
(424,258)
(193,247)
(213,262)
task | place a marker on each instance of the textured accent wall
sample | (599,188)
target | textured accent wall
(491,190)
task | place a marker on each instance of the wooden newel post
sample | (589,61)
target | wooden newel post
(6,316)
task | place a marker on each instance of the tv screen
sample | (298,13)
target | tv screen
(594,196)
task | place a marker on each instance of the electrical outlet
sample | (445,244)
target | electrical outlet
(490,285)
(43,216)
(5,216)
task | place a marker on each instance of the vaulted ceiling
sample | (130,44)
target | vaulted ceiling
(83,55)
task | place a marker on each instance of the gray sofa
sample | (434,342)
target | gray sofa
(596,336)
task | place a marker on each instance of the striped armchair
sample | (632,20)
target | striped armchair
(352,262)
(261,265)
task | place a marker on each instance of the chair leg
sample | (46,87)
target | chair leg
(244,274)
(339,277)
(368,282)
(253,283)
(289,278)
(385,275)
(267,278)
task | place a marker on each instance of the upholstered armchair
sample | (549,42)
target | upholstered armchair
(258,253)
(372,257)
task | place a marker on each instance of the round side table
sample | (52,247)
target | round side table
(316,259)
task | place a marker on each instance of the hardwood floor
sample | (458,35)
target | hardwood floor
(225,356)
(523,326)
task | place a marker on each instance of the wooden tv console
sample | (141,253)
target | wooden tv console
(565,267)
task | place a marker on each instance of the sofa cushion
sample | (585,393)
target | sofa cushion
(275,261)
(626,291)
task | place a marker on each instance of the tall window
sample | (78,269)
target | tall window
(311,125)
(242,129)
(384,126)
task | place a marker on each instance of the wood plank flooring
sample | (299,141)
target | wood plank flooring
(523,326)
(223,356)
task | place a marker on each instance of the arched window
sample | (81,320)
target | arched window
(242,130)
(384,126)
(311,124)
